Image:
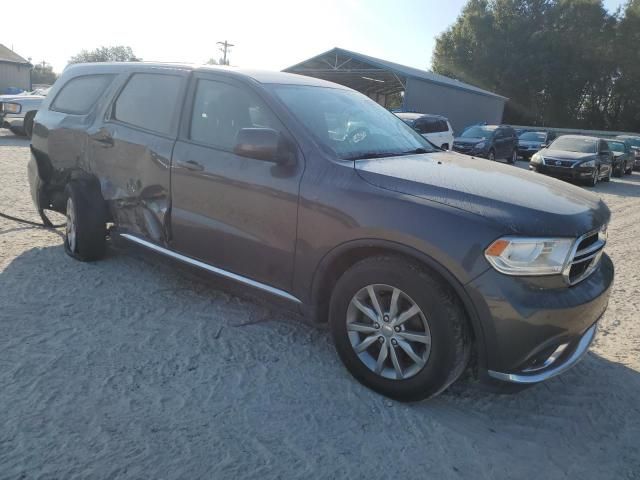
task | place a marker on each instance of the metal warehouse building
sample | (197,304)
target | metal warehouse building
(15,71)
(421,91)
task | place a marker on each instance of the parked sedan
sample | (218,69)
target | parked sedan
(575,158)
(623,157)
(532,142)
(635,146)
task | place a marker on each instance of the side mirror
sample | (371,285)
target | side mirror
(263,144)
(543,145)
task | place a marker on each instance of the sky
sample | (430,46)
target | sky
(269,35)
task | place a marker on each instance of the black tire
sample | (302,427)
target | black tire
(629,170)
(88,221)
(17,131)
(492,155)
(450,334)
(28,123)
(594,178)
(608,177)
(513,158)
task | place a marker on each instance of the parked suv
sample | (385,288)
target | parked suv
(422,261)
(493,142)
(434,128)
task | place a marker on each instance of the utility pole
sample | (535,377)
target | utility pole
(224,49)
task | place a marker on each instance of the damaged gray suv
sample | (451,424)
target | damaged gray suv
(425,263)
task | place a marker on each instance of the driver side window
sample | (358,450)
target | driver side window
(221,110)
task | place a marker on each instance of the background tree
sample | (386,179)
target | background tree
(560,62)
(106,54)
(43,73)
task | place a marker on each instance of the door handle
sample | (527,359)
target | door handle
(103,138)
(190,165)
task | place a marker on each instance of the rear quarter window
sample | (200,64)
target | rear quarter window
(79,94)
(431,126)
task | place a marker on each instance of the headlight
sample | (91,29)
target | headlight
(537,158)
(529,256)
(11,107)
(590,163)
(480,145)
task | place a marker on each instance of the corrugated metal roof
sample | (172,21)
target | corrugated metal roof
(402,70)
(8,55)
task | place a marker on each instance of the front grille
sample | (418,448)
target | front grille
(462,148)
(585,256)
(552,162)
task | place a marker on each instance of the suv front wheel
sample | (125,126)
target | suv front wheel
(399,330)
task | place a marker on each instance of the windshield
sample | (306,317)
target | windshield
(617,146)
(635,142)
(534,136)
(349,124)
(573,144)
(478,132)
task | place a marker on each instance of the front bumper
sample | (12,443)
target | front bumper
(527,152)
(533,332)
(575,174)
(11,120)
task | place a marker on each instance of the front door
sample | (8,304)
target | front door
(235,213)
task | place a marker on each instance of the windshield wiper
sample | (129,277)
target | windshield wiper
(370,155)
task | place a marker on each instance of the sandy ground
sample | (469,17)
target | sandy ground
(127,368)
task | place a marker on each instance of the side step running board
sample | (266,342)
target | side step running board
(215,270)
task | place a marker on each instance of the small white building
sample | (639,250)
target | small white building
(15,71)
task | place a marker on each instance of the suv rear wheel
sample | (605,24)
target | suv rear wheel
(492,155)
(398,329)
(513,158)
(85,237)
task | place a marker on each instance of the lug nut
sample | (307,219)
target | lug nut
(397,329)
(394,342)
(381,339)
(377,325)
(386,318)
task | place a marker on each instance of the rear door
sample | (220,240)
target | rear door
(501,143)
(235,213)
(132,149)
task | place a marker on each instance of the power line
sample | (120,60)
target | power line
(225,48)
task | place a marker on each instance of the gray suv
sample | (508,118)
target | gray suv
(424,262)
(493,142)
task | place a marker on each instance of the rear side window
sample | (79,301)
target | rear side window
(149,101)
(221,110)
(430,125)
(79,94)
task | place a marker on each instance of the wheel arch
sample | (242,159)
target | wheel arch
(342,257)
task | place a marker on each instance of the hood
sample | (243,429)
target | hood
(527,203)
(469,140)
(564,155)
(13,98)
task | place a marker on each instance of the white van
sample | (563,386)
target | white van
(434,128)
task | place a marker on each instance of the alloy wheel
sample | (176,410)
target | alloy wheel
(388,332)
(71,226)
